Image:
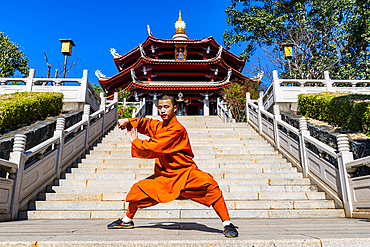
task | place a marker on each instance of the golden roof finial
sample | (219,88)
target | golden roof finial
(180,25)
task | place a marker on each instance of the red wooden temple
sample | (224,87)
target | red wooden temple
(194,71)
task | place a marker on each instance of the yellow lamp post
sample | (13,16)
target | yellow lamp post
(288,54)
(66,51)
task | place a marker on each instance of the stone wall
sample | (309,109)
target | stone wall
(36,133)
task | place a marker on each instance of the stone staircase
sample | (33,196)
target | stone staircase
(256,180)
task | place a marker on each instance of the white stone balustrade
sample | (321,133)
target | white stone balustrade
(75,97)
(53,156)
(223,112)
(328,168)
(285,91)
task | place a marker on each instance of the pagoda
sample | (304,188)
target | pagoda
(193,71)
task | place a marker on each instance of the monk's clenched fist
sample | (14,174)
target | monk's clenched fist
(122,123)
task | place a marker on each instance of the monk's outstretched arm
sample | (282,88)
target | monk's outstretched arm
(158,145)
(144,126)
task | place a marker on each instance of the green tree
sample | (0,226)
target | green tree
(327,35)
(12,59)
(234,95)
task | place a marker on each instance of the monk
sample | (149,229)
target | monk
(176,176)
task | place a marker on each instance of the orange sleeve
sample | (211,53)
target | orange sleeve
(144,126)
(171,141)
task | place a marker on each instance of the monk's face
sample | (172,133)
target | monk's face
(166,109)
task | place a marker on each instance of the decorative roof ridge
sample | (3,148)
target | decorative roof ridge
(218,56)
(226,79)
(176,41)
(123,72)
(188,87)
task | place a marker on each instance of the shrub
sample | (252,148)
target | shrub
(26,107)
(235,96)
(125,112)
(349,111)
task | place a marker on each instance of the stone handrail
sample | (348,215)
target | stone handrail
(287,90)
(31,171)
(139,110)
(327,167)
(84,93)
(223,112)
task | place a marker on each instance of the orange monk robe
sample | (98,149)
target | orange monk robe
(174,165)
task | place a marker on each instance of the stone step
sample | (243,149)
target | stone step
(182,205)
(130,179)
(185,214)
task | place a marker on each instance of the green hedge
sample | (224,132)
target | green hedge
(26,107)
(349,111)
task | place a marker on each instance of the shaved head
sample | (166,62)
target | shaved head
(165,97)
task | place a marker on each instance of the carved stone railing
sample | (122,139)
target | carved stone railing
(285,91)
(327,167)
(223,112)
(31,171)
(82,94)
(139,110)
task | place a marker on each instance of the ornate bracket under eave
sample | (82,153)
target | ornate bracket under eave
(143,54)
(133,76)
(219,52)
(100,75)
(229,73)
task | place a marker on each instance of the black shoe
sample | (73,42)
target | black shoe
(230,231)
(120,224)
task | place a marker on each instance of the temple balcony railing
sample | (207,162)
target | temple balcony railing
(329,168)
(75,97)
(284,92)
(30,171)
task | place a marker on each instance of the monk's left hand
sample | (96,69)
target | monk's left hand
(133,134)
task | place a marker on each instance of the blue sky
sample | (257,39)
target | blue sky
(97,26)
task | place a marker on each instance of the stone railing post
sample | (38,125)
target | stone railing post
(86,116)
(276,86)
(83,86)
(260,107)
(155,105)
(328,82)
(247,100)
(277,117)
(303,131)
(59,131)
(29,83)
(343,157)
(103,103)
(115,100)
(18,157)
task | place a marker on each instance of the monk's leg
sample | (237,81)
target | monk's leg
(221,210)
(202,188)
(134,206)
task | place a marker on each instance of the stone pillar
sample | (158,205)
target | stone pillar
(344,157)
(302,145)
(103,107)
(277,117)
(276,86)
(115,100)
(59,131)
(260,107)
(247,100)
(328,82)
(206,106)
(29,83)
(155,105)
(86,116)
(18,157)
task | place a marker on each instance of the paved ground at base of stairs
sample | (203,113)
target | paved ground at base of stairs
(189,232)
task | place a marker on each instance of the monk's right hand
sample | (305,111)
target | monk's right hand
(122,123)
